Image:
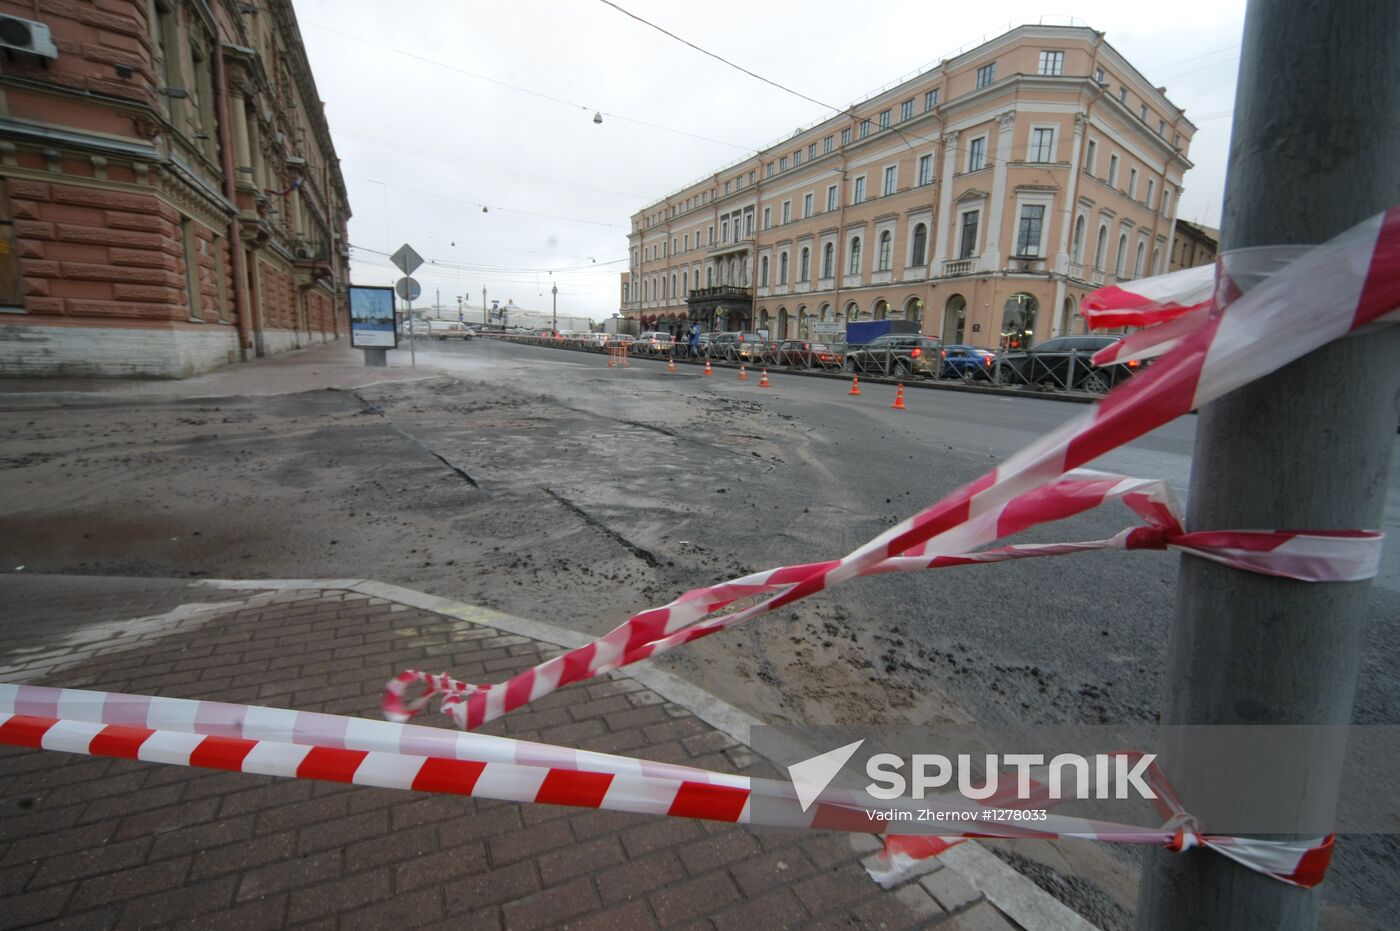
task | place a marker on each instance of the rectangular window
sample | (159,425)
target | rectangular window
(1132,183)
(768,170)
(986,74)
(831,198)
(748,222)
(1098,75)
(726,187)
(806,205)
(925,169)
(1042,145)
(797,158)
(787,212)
(828,144)
(930,99)
(192,275)
(811,152)
(768,218)
(1051,63)
(1028,234)
(1151,190)
(846,136)
(1092,150)
(1142,113)
(906,110)
(724,230)
(884,119)
(1162,128)
(977,153)
(967,242)
(11,279)
(687,242)
(710,234)
(1166,203)
(1123,95)
(890,181)
(859,196)
(752,177)
(1112,171)
(782,164)
(864,128)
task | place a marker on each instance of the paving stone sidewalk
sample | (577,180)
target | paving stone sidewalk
(103,843)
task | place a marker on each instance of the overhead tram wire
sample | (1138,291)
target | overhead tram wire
(476,203)
(458,161)
(523,90)
(473,267)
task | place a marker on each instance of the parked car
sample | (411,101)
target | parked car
(970,363)
(834,359)
(449,329)
(896,354)
(1048,365)
(800,352)
(655,342)
(740,346)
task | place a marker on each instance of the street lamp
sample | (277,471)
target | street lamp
(554,291)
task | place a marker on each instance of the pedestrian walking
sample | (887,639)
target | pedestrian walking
(695,340)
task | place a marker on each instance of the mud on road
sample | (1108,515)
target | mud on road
(521,503)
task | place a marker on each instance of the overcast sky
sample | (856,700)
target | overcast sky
(428,130)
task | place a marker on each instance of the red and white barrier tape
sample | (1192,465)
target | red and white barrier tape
(306,745)
(1211,339)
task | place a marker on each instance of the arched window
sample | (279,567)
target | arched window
(852,312)
(763,319)
(763,272)
(646,290)
(1138,260)
(803,325)
(1157,260)
(914,310)
(1100,248)
(1018,321)
(663,287)
(782,268)
(744,271)
(825,314)
(886,241)
(685,283)
(1076,252)
(783,321)
(881,308)
(954,320)
(828,259)
(1120,262)
(709,276)
(804,265)
(674,293)
(855,256)
(916,255)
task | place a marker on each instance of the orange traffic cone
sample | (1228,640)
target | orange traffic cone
(743,375)
(708,370)
(898,399)
(855,385)
(763,382)
(671,365)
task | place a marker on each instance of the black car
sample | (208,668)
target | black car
(898,354)
(1065,363)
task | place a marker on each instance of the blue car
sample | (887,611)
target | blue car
(968,363)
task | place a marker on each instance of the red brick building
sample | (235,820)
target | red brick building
(170,199)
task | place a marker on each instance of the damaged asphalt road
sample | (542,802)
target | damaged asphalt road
(542,483)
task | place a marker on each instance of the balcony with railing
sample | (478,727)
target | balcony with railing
(955,267)
(724,292)
(739,244)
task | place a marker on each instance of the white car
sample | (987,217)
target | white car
(449,329)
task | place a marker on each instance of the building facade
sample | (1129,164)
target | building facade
(170,199)
(1193,245)
(984,198)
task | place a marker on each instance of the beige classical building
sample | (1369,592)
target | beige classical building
(984,198)
(170,199)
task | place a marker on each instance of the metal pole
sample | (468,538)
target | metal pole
(413,333)
(1306,447)
(554,293)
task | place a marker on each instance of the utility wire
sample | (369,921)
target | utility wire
(718,58)
(522,90)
